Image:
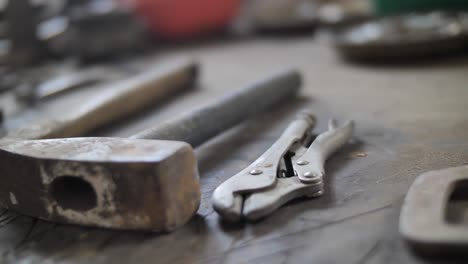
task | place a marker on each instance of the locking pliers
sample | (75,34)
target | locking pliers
(289,169)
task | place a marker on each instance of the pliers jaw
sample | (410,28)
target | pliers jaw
(263,203)
(287,170)
(228,198)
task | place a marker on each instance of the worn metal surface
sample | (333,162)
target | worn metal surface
(310,166)
(411,119)
(286,171)
(427,219)
(235,198)
(107,182)
(405,36)
(75,180)
(198,125)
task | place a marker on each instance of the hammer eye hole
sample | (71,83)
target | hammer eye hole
(73,193)
(456,211)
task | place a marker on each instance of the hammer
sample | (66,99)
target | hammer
(134,183)
(119,100)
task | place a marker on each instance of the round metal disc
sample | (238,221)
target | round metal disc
(405,36)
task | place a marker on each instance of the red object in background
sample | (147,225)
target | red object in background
(178,19)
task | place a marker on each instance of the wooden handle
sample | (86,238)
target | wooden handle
(119,100)
(199,125)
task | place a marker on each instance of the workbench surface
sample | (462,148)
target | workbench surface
(409,119)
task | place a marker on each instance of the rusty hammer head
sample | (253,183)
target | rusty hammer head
(133,183)
(108,182)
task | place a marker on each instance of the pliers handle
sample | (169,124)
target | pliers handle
(262,187)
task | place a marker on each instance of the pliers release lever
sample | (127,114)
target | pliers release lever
(289,169)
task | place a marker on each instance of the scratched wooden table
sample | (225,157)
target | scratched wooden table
(409,119)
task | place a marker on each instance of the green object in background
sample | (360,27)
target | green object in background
(389,7)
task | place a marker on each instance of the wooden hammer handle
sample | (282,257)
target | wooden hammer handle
(199,125)
(115,102)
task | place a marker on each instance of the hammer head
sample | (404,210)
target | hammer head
(108,182)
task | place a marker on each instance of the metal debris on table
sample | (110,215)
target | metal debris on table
(287,170)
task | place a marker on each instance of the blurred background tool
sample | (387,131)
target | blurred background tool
(405,36)
(59,85)
(92,29)
(8,78)
(18,42)
(98,29)
(335,13)
(119,100)
(298,16)
(283,16)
